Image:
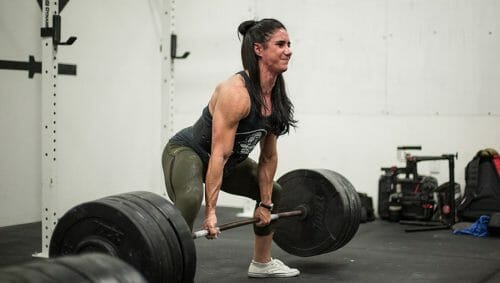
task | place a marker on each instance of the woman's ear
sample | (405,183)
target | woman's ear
(258,48)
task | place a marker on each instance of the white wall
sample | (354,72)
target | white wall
(110,112)
(108,115)
(365,77)
(19,114)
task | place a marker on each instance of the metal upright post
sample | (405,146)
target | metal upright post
(48,128)
(168,75)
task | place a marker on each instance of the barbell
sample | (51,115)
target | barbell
(320,212)
(301,211)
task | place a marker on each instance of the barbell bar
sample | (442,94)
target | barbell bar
(148,232)
(299,212)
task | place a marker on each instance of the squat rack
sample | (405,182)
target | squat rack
(450,221)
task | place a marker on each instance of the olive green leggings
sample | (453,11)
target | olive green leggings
(183,170)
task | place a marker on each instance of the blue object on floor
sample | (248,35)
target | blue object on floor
(477,229)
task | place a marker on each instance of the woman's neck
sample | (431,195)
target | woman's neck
(267,81)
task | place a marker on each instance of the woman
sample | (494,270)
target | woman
(248,108)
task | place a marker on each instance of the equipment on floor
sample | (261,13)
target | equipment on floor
(367,211)
(482,186)
(494,224)
(86,268)
(407,197)
(319,213)
(476,229)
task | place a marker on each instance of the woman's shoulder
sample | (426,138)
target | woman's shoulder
(234,86)
(232,95)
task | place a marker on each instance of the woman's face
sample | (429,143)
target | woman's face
(275,53)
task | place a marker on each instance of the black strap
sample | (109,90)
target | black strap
(472,175)
(249,86)
(471,183)
(248,82)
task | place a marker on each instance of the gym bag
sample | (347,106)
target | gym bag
(482,186)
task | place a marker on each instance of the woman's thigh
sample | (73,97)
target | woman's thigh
(183,172)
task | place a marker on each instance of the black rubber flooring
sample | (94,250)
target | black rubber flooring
(379,252)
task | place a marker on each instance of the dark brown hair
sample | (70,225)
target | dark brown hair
(282,108)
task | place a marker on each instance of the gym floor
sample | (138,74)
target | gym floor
(379,252)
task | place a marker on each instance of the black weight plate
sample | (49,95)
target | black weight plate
(356,208)
(182,231)
(171,251)
(341,184)
(354,211)
(353,208)
(57,273)
(115,225)
(101,226)
(353,203)
(333,212)
(101,268)
(315,233)
(161,270)
(6,276)
(22,274)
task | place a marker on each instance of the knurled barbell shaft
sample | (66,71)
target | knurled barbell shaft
(203,233)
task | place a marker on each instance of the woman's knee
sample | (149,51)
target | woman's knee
(189,205)
(276,197)
(191,196)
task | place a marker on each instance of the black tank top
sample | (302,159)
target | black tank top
(249,133)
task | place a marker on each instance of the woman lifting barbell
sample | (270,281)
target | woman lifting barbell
(250,107)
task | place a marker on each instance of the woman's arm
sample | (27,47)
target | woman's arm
(268,162)
(229,104)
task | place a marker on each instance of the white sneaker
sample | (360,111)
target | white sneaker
(274,268)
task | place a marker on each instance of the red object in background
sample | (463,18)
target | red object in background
(427,205)
(446,209)
(496,161)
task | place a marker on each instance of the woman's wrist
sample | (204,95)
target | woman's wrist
(268,206)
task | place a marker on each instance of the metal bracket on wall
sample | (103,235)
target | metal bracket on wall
(173,48)
(34,67)
(55,32)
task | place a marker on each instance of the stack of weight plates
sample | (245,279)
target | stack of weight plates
(142,228)
(333,212)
